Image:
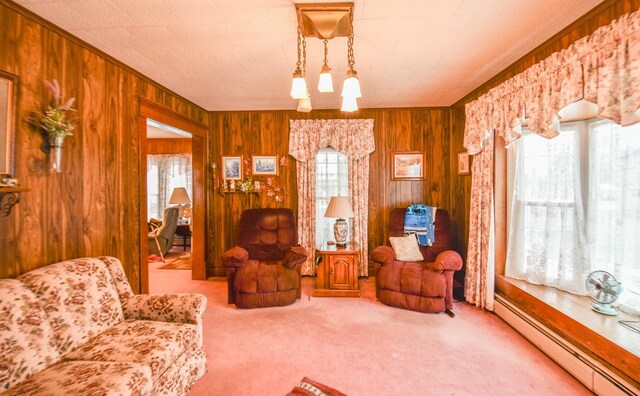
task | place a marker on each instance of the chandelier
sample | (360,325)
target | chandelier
(325,21)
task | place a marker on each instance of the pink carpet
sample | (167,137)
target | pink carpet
(363,347)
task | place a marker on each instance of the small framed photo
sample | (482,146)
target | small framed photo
(232,167)
(408,165)
(264,165)
(463,163)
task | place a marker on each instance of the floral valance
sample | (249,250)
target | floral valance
(603,68)
(354,138)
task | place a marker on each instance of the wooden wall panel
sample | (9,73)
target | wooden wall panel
(92,207)
(267,132)
(168,146)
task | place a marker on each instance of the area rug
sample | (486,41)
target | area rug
(181,263)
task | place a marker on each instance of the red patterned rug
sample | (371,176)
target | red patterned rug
(308,387)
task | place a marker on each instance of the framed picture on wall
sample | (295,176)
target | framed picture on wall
(463,163)
(232,167)
(264,165)
(408,165)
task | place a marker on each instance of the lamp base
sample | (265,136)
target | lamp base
(341,232)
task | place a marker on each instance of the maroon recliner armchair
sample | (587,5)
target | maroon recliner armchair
(425,286)
(263,270)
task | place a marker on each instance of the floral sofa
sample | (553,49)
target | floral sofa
(75,327)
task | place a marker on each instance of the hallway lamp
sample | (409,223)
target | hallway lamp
(180,196)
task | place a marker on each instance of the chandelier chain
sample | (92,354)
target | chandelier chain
(298,63)
(326,52)
(350,57)
(304,56)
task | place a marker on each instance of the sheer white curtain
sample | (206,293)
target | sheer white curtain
(547,243)
(332,178)
(614,206)
(576,208)
(164,173)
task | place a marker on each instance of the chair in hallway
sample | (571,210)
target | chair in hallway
(161,239)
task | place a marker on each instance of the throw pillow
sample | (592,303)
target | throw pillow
(406,248)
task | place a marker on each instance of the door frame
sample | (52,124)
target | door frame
(199,137)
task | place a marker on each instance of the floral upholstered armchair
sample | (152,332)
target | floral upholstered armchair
(75,327)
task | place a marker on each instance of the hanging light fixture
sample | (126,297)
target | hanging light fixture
(351,86)
(326,21)
(349,104)
(299,85)
(325,84)
(304,105)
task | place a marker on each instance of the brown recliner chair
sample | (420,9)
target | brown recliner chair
(263,270)
(425,286)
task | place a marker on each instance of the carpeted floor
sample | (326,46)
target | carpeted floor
(362,347)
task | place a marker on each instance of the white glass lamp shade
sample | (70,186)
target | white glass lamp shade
(304,105)
(339,207)
(179,196)
(351,86)
(349,104)
(325,84)
(298,85)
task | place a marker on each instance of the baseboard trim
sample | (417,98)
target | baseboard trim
(585,369)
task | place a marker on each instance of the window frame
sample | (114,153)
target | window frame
(342,187)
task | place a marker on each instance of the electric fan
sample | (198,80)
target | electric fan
(604,289)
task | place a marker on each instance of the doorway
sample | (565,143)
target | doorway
(162,129)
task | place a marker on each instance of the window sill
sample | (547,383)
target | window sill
(600,336)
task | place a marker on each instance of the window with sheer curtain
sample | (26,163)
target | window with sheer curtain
(164,173)
(332,178)
(576,208)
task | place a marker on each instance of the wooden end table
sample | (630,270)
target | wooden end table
(184,230)
(337,271)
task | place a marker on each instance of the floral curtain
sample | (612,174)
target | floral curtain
(478,288)
(602,68)
(354,138)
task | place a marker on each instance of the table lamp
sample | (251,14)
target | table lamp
(179,196)
(340,207)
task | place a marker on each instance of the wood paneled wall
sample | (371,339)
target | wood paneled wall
(168,146)
(601,15)
(92,207)
(267,132)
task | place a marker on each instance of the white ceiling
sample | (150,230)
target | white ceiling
(239,54)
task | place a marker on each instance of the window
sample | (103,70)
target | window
(164,173)
(332,178)
(576,208)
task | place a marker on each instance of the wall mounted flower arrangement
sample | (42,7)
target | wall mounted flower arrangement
(54,124)
(253,170)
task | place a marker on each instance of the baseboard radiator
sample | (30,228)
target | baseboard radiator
(585,369)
